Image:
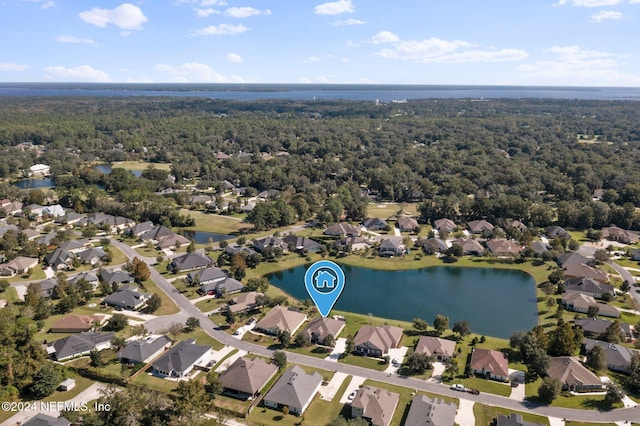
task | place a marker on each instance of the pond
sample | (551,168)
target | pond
(202,237)
(45,182)
(107,168)
(495,302)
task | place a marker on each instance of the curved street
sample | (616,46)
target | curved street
(618,415)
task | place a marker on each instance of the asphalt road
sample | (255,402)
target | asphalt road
(626,276)
(622,414)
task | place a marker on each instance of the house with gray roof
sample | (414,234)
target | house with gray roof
(430,412)
(89,277)
(75,246)
(573,375)
(79,344)
(469,246)
(42,419)
(190,262)
(92,256)
(593,327)
(181,359)
(116,277)
(246,377)
(46,287)
(139,228)
(618,356)
(127,298)
(60,259)
(375,224)
(374,405)
(214,281)
(295,389)
(435,245)
(445,224)
(392,246)
(269,242)
(343,230)
(321,328)
(302,244)
(144,350)
(479,226)
(513,419)
(588,286)
(578,302)
(155,234)
(441,349)
(556,232)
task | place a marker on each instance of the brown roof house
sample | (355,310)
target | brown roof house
(319,330)
(503,247)
(621,235)
(343,230)
(581,270)
(490,364)
(578,302)
(430,412)
(441,349)
(295,389)
(573,375)
(246,377)
(19,265)
(407,224)
(244,302)
(76,323)
(445,225)
(375,341)
(374,405)
(469,246)
(281,319)
(479,226)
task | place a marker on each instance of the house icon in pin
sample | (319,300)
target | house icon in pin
(325,280)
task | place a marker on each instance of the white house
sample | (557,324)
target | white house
(39,170)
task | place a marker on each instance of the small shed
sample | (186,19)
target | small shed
(67,385)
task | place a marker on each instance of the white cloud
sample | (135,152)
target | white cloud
(72,39)
(222,29)
(82,73)
(11,66)
(604,15)
(351,21)
(125,16)
(44,4)
(194,72)
(203,13)
(590,3)
(334,8)
(384,37)
(245,12)
(234,57)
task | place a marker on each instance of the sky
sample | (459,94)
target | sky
(468,42)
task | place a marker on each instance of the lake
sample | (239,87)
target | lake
(45,182)
(107,168)
(495,302)
(202,237)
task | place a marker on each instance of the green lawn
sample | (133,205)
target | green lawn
(363,361)
(155,383)
(36,274)
(488,386)
(190,292)
(167,307)
(140,165)
(485,415)
(387,210)
(215,223)
(148,252)
(572,423)
(10,295)
(628,263)
(566,400)
(311,350)
(202,338)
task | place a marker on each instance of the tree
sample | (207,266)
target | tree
(563,341)
(257,284)
(214,386)
(284,337)
(614,394)
(596,359)
(420,324)
(462,328)
(416,363)
(117,322)
(556,276)
(45,381)
(625,286)
(538,362)
(4,284)
(441,324)
(549,389)
(302,340)
(139,269)
(153,304)
(279,358)
(118,343)
(592,311)
(191,247)
(612,334)
(601,256)
(191,324)
(285,410)
(191,400)
(634,373)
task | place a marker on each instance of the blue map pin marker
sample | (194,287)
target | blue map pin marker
(324,281)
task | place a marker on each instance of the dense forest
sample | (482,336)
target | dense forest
(461,158)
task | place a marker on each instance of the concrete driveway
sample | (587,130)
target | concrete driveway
(329,391)
(438,369)
(341,345)
(398,355)
(465,416)
(355,383)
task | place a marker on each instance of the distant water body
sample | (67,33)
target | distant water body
(302,92)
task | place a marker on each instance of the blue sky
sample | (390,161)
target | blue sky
(511,42)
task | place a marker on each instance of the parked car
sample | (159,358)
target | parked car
(458,387)
(473,391)
(251,321)
(352,395)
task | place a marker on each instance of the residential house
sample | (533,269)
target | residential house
(295,390)
(119,277)
(321,328)
(539,247)
(112,223)
(269,242)
(490,364)
(233,249)
(128,297)
(407,224)
(517,225)
(200,199)
(479,226)
(441,349)
(513,420)
(501,247)
(75,246)
(144,350)
(348,244)
(469,246)
(190,262)
(618,357)
(445,225)
(302,244)
(246,377)
(268,194)
(67,385)
(375,341)
(573,375)
(374,405)
(556,232)
(343,230)
(620,235)
(181,359)
(155,234)
(40,170)
(55,210)
(281,319)
(14,208)
(214,281)
(375,224)
(578,302)
(42,419)
(79,344)
(594,327)
(60,259)
(77,323)
(18,266)
(139,228)
(70,218)
(566,259)
(172,242)
(92,256)
(392,246)
(46,287)
(582,270)
(435,245)
(89,277)
(589,287)
(425,411)
(9,228)
(244,302)
(30,234)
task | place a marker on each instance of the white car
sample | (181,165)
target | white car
(352,395)
(458,387)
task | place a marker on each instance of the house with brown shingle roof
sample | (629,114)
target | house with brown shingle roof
(76,323)
(407,224)
(479,226)
(343,230)
(573,375)
(281,319)
(501,247)
(469,246)
(581,270)
(246,377)
(578,302)
(445,225)
(375,341)
(244,302)
(321,328)
(19,265)
(490,364)
(614,233)
(441,349)
(374,405)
